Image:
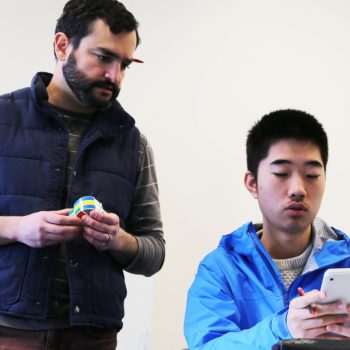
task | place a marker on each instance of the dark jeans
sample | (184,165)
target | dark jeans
(75,338)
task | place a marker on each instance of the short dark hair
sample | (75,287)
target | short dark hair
(78,15)
(279,125)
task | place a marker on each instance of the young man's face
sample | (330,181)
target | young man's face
(290,185)
(95,70)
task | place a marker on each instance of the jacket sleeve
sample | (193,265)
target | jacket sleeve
(144,220)
(212,319)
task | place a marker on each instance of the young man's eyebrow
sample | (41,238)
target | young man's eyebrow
(281,162)
(314,163)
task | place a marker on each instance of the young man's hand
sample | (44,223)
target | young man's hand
(325,318)
(340,329)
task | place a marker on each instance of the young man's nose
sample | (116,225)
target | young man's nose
(297,189)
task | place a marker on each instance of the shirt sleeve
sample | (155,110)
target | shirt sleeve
(144,220)
(213,320)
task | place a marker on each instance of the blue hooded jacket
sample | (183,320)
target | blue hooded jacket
(238,299)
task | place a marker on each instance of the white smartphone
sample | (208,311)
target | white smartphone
(336,285)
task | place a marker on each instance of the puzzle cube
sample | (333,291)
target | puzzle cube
(84,205)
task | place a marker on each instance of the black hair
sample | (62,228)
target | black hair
(78,15)
(279,125)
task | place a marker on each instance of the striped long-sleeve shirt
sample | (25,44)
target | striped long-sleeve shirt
(144,219)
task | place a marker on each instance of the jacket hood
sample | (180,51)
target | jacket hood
(242,240)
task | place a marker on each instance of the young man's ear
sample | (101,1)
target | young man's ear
(61,46)
(251,184)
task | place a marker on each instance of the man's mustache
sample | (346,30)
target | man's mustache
(105,84)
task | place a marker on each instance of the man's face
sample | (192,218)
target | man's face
(290,185)
(84,87)
(95,70)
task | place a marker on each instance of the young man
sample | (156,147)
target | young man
(245,294)
(63,138)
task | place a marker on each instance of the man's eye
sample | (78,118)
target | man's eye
(280,174)
(125,65)
(103,58)
(312,176)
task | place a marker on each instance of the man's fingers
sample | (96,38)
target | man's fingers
(107,218)
(336,307)
(101,243)
(309,298)
(57,218)
(339,329)
(62,211)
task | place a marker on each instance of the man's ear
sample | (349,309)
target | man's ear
(251,184)
(61,45)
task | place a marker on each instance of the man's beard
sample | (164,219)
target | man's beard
(82,86)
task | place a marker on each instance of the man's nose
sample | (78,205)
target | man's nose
(114,73)
(297,190)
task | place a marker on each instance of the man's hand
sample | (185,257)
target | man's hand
(302,324)
(341,329)
(46,228)
(102,230)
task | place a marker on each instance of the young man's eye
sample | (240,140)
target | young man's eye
(312,176)
(280,174)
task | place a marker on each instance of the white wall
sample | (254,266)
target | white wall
(211,69)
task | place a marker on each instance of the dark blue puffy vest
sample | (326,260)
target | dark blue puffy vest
(33,155)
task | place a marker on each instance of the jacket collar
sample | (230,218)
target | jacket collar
(115,118)
(245,240)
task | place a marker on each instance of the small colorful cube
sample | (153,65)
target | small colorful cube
(84,205)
